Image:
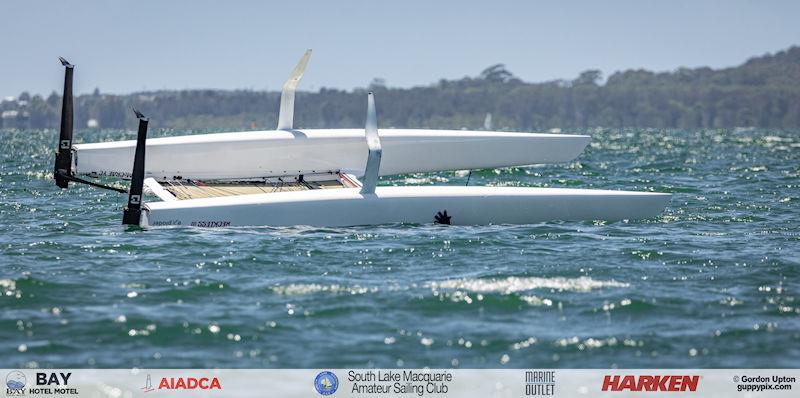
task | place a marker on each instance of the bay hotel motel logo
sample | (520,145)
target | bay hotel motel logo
(15,383)
(46,383)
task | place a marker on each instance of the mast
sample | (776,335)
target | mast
(133,211)
(286,115)
(63,163)
(374,145)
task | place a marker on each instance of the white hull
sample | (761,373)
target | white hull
(291,177)
(280,153)
(414,205)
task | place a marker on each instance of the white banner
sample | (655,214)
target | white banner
(408,383)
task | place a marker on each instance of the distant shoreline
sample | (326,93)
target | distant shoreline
(762,92)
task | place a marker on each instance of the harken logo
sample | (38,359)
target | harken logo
(671,383)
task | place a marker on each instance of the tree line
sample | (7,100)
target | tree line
(762,92)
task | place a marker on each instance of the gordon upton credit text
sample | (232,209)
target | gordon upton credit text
(399,382)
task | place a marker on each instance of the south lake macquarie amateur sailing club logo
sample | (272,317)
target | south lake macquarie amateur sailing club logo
(326,383)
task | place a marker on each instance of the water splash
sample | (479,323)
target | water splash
(513,284)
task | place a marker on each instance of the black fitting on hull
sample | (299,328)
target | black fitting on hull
(133,211)
(63,163)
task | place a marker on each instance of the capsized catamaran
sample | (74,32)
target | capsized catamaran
(328,177)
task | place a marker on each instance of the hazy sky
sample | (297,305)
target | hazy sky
(124,46)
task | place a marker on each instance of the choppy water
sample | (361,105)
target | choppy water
(713,282)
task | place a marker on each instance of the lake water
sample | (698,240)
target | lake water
(713,282)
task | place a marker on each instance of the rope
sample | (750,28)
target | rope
(94,184)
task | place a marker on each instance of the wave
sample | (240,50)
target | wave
(509,285)
(513,284)
(311,288)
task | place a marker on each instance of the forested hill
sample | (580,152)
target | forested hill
(762,92)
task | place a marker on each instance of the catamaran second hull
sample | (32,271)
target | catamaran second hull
(414,205)
(280,153)
(311,177)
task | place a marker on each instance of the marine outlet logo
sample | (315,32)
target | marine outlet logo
(540,383)
(15,383)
